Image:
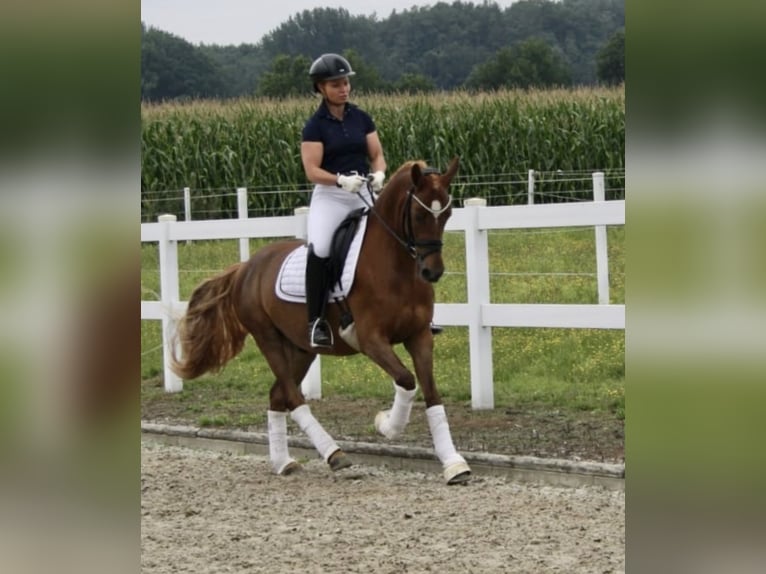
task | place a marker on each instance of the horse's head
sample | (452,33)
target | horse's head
(427,208)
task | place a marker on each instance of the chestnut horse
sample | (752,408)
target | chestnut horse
(391,300)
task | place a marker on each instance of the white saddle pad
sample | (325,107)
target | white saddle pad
(291,281)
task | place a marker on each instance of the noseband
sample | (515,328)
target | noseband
(410,243)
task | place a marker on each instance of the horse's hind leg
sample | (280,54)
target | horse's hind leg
(290,364)
(280,458)
(319,437)
(300,412)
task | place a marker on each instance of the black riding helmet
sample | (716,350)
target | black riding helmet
(329,67)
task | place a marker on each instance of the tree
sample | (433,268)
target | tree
(533,63)
(318,31)
(444,42)
(414,83)
(366,79)
(610,60)
(241,66)
(289,76)
(171,68)
(285,78)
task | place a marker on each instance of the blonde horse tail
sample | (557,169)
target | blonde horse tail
(209,334)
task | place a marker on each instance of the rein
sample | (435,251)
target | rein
(410,243)
(371,207)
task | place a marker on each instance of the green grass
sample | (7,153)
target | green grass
(576,369)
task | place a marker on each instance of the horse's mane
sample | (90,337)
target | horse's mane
(403,173)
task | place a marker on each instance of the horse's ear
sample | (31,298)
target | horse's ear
(451,170)
(416,173)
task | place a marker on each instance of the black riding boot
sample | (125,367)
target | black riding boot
(317,285)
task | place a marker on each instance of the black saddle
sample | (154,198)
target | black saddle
(341,243)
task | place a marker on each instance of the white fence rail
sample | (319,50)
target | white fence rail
(478,314)
(536,183)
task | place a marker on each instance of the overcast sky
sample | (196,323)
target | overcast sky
(228,22)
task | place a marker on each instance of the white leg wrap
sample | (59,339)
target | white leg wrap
(278,454)
(391,423)
(443,446)
(322,441)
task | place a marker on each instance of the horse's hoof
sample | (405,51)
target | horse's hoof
(338,461)
(380,419)
(457,473)
(290,467)
(382,426)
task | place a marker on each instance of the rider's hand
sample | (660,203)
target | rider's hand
(377,180)
(351,183)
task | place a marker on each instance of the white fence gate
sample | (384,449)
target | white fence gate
(478,314)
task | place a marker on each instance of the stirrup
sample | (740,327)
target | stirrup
(320,334)
(436,329)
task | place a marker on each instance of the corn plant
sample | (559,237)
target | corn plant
(217,146)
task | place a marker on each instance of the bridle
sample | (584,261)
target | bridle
(410,243)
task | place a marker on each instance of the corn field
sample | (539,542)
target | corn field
(215,146)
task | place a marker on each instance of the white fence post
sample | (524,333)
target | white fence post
(244,242)
(531,187)
(311,386)
(602,261)
(477,279)
(169,295)
(187,208)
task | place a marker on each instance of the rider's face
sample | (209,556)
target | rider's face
(336,91)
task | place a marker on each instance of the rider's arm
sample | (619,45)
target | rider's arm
(311,156)
(375,152)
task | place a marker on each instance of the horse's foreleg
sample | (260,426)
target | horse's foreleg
(392,422)
(456,470)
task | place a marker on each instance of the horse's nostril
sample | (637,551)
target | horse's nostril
(430,275)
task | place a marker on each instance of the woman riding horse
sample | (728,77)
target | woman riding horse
(340,150)
(337,142)
(391,300)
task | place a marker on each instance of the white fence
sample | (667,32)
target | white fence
(535,184)
(478,314)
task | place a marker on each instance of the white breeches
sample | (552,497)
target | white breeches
(329,206)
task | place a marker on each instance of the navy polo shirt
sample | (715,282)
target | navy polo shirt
(345,142)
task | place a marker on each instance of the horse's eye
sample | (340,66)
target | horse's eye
(420,217)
